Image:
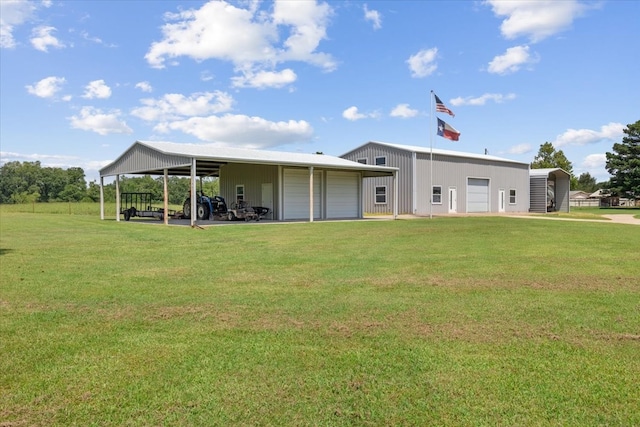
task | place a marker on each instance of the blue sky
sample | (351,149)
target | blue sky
(82,80)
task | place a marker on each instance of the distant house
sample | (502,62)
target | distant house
(455,182)
(578,195)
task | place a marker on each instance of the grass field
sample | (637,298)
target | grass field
(450,321)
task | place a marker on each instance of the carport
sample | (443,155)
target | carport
(549,190)
(302,185)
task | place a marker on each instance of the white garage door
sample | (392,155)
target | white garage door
(343,195)
(296,194)
(477,195)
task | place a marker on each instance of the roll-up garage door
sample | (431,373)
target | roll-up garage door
(296,194)
(477,195)
(343,195)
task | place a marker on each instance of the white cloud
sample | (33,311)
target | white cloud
(42,38)
(206,76)
(265,79)
(404,111)
(536,19)
(498,98)
(307,22)
(373,16)
(93,119)
(174,106)
(520,149)
(423,63)
(97,89)
(609,132)
(249,38)
(595,165)
(50,159)
(13,13)
(144,86)
(250,132)
(594,161)
(512,60)
(353,114)
(47,87)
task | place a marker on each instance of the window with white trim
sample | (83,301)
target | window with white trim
(239,193)
(363,161)
(436,194)
(512,196)
(381,161)
(381,194)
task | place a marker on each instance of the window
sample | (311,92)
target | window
(381,161)
(512,196)
(363,161)
(381,195)
(239,193)
(436,195)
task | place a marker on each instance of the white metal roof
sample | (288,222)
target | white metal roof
(546,171)
(176,153)
(427,150)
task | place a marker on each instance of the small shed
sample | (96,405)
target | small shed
(294,186)
(549,190)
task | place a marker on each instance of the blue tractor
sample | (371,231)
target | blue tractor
(206,207)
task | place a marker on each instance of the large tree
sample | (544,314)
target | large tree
(549,157)
(624,163)
(586,183)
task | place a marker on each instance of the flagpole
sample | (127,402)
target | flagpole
(431,157)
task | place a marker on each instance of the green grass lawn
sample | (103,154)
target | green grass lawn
(450,321)
(596,213)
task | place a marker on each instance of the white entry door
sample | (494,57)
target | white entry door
(500,200)
(453,200)
(267,196)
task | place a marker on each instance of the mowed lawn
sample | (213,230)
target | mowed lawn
(449,321)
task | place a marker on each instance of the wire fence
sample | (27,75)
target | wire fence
(60,208)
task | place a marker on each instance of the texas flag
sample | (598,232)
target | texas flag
(447,131)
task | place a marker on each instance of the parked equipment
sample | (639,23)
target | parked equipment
(206,207)
(139,204)
(242,210)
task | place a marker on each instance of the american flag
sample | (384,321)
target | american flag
(441,108)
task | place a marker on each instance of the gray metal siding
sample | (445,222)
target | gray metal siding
(395,158)
(140,158)
(252,177)
(450,171)
(562,194)
(538,194)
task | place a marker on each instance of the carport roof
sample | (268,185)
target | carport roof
(548,171)
(153,157)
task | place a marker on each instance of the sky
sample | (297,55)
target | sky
(81,81)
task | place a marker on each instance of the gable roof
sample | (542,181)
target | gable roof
(427,150)
(152,157)
(548,171)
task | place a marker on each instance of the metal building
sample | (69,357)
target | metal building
(455,182)
(293,186)
(549,190)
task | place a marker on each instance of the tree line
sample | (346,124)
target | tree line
(30,182)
